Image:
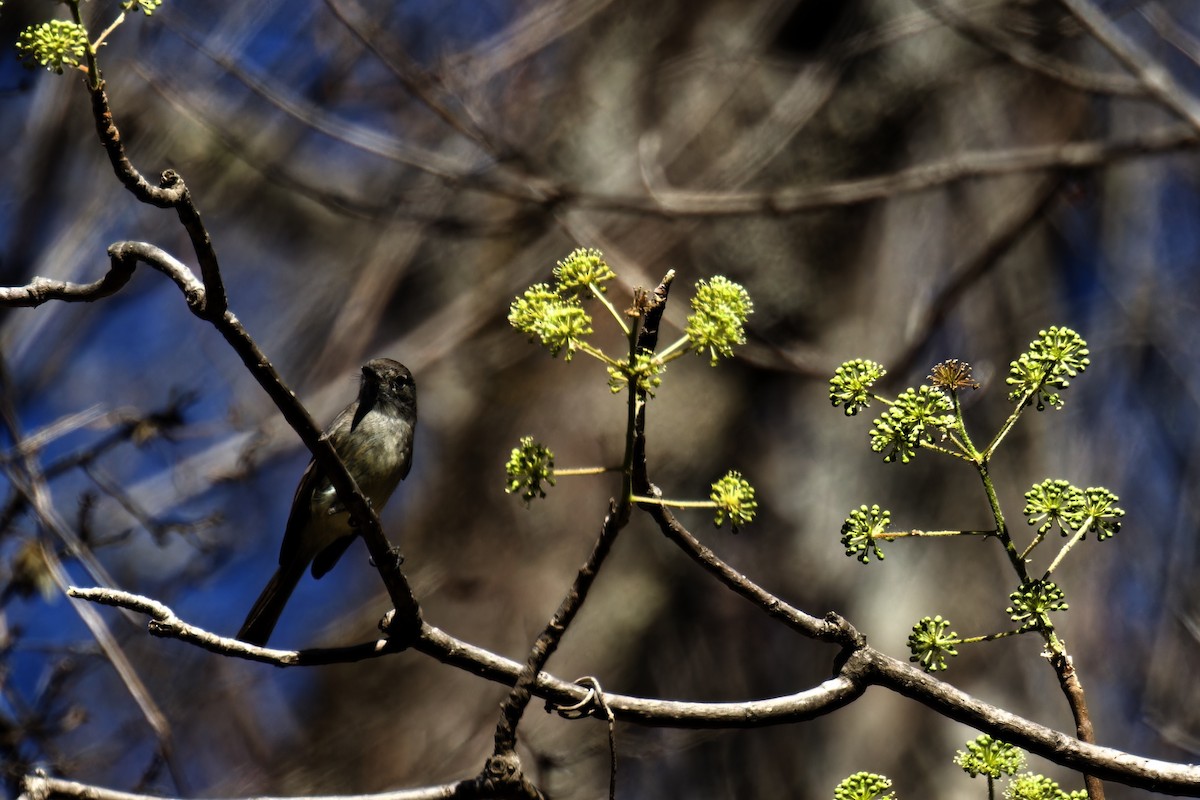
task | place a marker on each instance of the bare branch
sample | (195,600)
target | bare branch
(672,202)
(42,290)
(124,256)
(170,193)
(164,623)
(425,86)
(1171,31)
(1028,57)
(864,667)
(41,787)
(1153,76)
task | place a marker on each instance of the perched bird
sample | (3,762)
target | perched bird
(374,437)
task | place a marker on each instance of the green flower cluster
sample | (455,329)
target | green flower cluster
(930,643)
(720,308)
(55,45)
(990,757)
(147,7)
(1057,355)
(1033,602)
(851,384)
(528,467)
(983,756)
(1039,787)
(1056,502)
(60,44)
(734,498)
(859,530)
(583,270)
(554,315)
(555,318)
(864,786)
(915,417)
(646,372)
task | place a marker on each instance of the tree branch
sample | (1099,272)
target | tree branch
(1029,57)
(124,257)
(864,667)
(1152,75)
(171,192)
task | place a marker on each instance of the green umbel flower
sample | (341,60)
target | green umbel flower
(720,308)
(734,497)
(1038,787)
(859,530)
(851,384)
(55,45)
(558,323)
(529,466)
(1057,355)
(581,269)
(1033,602)
(864,786)
(917,415)
(147,7)
(930,643)
(990,757)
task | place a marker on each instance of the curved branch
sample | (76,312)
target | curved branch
(124,257)
(171,192)
(43,290)
(864,667)
(1029,57)
(672,202)
(1103,762)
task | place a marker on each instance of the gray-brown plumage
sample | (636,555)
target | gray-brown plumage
(374,437)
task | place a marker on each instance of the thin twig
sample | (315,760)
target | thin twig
(1155,77)
(1029,57)
(672,202)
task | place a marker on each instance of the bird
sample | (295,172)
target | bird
(374,438)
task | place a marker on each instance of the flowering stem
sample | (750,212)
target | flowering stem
(674,350)
(662,501)
(890,536)
(107,31)
(93,69)
(599,354)
(1007,426)
(1036,541)
(1066,548)
(1002,534)
(968,447)
(571,471)
(604,299)
(633,407)
(990,637)
(946,451)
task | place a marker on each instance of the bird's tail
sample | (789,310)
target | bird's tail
(260,622)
